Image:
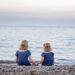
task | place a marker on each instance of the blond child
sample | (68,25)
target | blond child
(23,54)
(47,57)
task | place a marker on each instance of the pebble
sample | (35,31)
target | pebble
(37,70)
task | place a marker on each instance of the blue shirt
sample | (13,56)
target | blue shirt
(48,59)
(23,57)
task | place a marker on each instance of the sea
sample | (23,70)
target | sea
(62,40)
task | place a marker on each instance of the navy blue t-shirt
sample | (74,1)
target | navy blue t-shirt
(48,58)
(23,57)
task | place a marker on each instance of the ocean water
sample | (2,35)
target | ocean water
(62,40)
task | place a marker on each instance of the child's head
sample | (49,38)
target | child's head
(47,47)
(24,45)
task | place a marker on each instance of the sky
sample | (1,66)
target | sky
(37,12)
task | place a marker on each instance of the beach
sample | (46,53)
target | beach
(6,69)
(11,68)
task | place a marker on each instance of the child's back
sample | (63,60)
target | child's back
(48,58)
(23,57)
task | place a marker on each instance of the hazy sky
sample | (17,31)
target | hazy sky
(47,9)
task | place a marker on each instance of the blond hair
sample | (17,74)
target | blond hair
(24,45)
(47,47)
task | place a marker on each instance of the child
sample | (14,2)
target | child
(23,54)
(47,57)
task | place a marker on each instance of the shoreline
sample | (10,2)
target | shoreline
(14,62)
(7,62)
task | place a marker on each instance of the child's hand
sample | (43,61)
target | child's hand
(36,64)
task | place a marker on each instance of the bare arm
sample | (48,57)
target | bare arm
(42,59)
(16,59)
(30,59)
